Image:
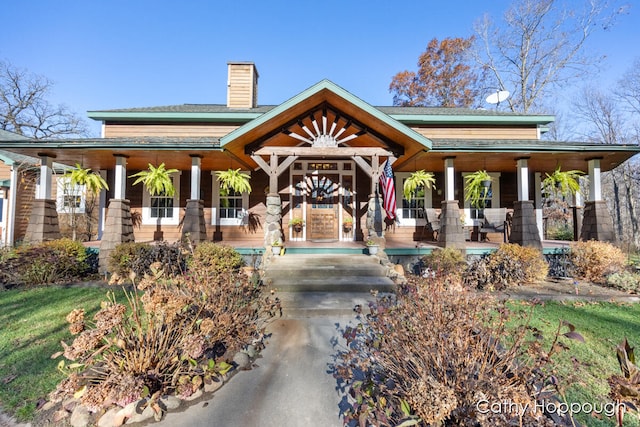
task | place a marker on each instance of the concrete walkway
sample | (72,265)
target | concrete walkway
(291,385)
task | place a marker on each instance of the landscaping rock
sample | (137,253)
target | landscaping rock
(170,402)
(399,269)
(146,414)
(112,418)
(194,396)
(251,351)
(80,417)
(213,385)
(60,415)
(128,411)
(242,360)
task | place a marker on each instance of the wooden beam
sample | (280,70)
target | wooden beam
(263,165)
(366,168)
(324,151)
(285,164)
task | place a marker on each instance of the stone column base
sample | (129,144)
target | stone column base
(118,229)
(374,217)
(451,234)
(193,226)
(597,223)
(43,222)
(524,230)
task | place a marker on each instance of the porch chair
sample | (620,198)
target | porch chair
(495,221)
(432,223)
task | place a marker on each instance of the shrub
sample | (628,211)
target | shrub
(561,232)
(510,265)
(625,280)
(429,356)
(56,261)
(447,261)
(177,333)
(215,257)
(138,257)
(594,260)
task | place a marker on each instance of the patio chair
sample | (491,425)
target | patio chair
(495,221)
(432,223)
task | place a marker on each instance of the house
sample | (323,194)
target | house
(317,157)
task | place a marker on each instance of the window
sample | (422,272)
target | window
(230,209)
(162,208)
(1,210)
(412,212)
(231,205)
(70,197)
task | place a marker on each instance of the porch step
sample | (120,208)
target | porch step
(327,273)
(299,305)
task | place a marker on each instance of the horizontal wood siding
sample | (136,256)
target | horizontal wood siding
(168,130)
(478,132)
(5,171)
(240,88)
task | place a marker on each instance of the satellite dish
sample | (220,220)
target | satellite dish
(497,97)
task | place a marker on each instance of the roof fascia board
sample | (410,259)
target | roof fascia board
(537,148)
(106,144)
(469,119)
(232,116)
(328,85)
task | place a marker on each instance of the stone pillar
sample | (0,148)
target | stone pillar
(193,225)
(273,220)
(375,230)
(118,229)
(524,230)
(597,223)
(451,234)
(43,221)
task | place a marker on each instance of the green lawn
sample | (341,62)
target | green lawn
(583,369)
(33,324)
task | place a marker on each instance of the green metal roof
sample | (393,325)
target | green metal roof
(326,85)
(405,115)
(523,145)
(144,142)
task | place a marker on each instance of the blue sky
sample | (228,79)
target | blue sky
(127,53)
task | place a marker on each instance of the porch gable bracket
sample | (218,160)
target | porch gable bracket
(323,151)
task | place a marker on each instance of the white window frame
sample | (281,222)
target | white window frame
(147,219)
(428,201)
(495,195)
(63,184)
(243,219)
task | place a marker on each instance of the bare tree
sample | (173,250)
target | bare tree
(25,110)
(540,47)
(607,124)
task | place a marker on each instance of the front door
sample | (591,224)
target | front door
(322,206)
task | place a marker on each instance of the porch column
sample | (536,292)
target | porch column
(102,205)
(597,223)
(537,180)
(524,230)
(43,222)
(451,234)
(273,221)
(118,226)
(577,210)
(193,226)
(11,217)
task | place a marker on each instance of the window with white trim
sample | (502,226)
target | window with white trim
(70,198)
(411,212)
(162,208)
(231,209)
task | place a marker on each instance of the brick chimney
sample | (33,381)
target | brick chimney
(242,85)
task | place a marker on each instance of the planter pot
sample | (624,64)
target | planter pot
(297,228)
(276,249)
(347,228)
(486,183)
(373,249)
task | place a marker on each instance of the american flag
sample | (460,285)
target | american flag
(388,191)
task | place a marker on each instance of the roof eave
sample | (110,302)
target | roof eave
(417,119)
(139,116)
